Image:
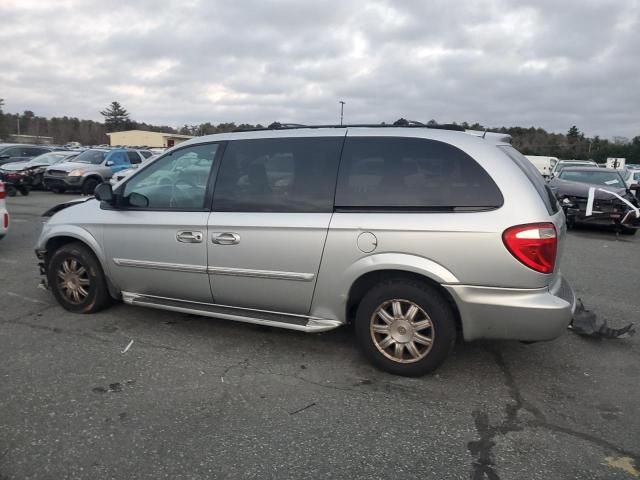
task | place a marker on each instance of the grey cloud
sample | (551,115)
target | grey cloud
(498,62)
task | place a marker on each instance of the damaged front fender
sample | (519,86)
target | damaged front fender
(61,206)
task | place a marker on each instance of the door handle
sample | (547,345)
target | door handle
(226,238)
(188,236)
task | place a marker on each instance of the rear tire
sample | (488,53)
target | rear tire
(628,231)
(77,280)
(89,186)
(25,191)
(405,327)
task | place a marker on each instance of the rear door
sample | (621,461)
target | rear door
(272,206)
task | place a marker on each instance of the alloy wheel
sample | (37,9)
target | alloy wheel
(402,331)
(73,280)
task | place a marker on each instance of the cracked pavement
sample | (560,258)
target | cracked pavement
(206,398)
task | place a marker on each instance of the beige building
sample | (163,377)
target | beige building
(143,138)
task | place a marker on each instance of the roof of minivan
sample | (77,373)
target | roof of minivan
(449,136)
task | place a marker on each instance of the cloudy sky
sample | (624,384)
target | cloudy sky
(498,62)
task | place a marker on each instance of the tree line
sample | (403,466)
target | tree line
(530,141)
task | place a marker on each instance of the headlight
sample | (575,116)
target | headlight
(78,172)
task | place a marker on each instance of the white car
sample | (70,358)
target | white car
(631,176)
(4,215)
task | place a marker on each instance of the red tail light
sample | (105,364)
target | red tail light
(535,245)
(3,192)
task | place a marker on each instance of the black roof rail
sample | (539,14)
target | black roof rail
(294,126)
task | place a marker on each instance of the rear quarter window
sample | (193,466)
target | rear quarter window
(545,193)
(395,173)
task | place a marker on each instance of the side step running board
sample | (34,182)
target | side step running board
(301,323)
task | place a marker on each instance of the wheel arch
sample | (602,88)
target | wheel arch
(362,284)
(77,234)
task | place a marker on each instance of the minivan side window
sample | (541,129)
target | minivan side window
(177,181)
(278,175)
(379,173)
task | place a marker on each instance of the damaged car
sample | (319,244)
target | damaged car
(597,196)
(23,176)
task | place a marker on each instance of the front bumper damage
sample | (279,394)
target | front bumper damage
(612,212)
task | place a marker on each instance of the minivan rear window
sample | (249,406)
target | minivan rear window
(380,173)
(534,177)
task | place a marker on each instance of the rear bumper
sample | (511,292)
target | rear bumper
(514,314)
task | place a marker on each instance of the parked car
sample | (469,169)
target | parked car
(14,152)
(571,163)
(122,174)
(4,214)
(27,175)
(89,169)
(417,235)
(543,164)
(631,175)
(614,203)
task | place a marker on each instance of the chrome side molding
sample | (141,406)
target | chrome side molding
(237,272)
(244,272)
(175,267)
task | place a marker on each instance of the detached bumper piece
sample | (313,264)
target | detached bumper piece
(586,323)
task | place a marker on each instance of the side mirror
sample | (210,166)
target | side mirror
(138,200)
(104,193)
(109,163)
(635,186)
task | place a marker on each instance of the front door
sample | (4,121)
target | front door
(271,211)
(156,241)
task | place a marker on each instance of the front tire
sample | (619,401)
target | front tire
(405,327)
(89,186)
(77,280)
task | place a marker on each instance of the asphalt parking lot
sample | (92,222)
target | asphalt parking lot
(206,398)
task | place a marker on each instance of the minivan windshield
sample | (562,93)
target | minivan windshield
(94,157)
(594,177)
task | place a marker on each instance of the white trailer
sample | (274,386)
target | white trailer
(543,164)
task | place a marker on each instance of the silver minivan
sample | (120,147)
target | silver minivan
(416,235)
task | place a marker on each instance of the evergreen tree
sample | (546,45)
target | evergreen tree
(116,118)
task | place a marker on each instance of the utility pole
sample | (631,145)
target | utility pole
(341,111)
(18,122)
